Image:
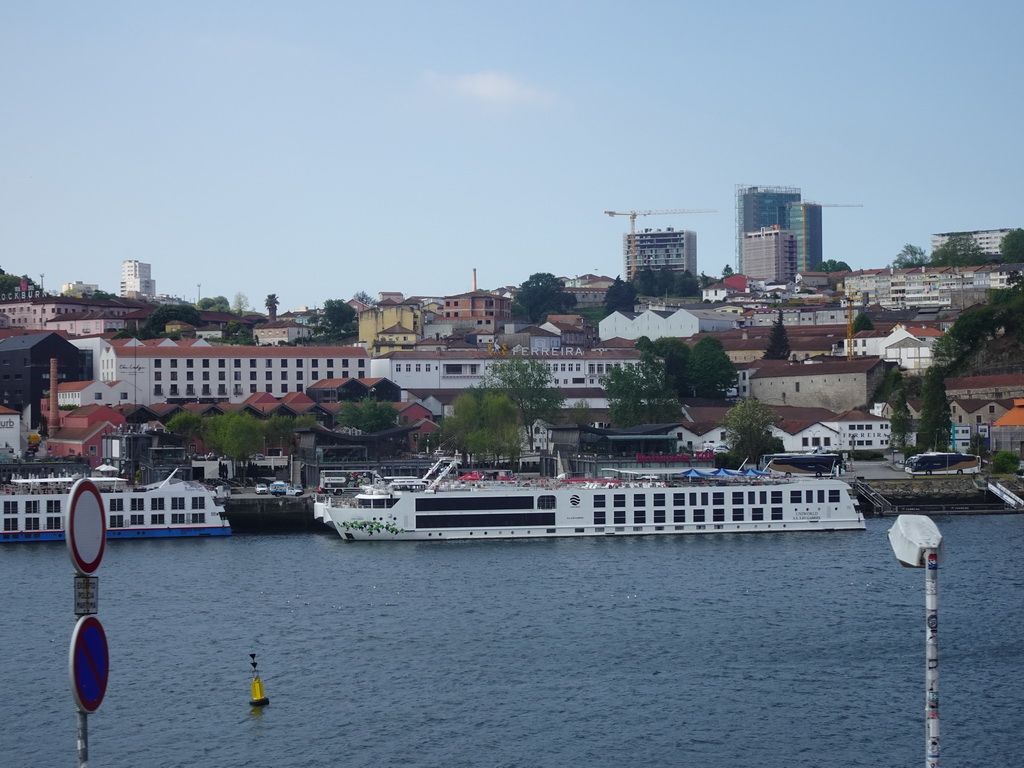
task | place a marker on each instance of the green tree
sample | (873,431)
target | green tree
(541,295)
(727,271)
(530,386)
(368,415)
(748,430)
(213,304)
(666,281)
(831,265)
(497,435)
(337,320)
(862,323)
(960,250)
(675,356)
(13,283)
(972,330)
(483,422)
(977,445)
(911,256)
(238,435)
(167,313)
(620,297)
(580,413)
(187,424)
(645,282)
(936,420)
(365,298)
(271,303)
(900,422)
(687,285)
(279,432)
(1005,462)
(1012,247)
(640,394)
(712,373)
(240,304)
(237,333)
(778,341)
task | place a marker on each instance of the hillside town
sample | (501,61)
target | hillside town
(101,378)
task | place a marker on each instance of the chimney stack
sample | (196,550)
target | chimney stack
(474,279)
(54,422)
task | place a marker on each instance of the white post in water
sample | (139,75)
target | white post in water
(917,543)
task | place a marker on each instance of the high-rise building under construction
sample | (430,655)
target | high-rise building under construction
(658,249)
(759,208)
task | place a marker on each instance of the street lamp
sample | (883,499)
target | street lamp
(917,543)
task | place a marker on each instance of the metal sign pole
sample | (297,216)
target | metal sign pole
(88,660)
(83,740)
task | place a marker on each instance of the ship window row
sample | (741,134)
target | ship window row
(33,507)
(179,518)
(717,498)
(155,504)
(718,515)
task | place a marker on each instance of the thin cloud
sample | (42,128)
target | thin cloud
(492,88)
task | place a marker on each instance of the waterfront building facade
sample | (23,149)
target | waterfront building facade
(178,372)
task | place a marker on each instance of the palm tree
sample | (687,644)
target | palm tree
(271,305)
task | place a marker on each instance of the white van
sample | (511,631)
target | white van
(278,488)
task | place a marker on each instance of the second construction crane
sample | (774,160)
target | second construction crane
(631,258)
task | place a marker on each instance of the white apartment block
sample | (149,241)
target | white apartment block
(955,287)
(78,288)
(137,280)
(168,371)
(989,240)
(571,367)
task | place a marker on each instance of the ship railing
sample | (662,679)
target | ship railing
(1009,497)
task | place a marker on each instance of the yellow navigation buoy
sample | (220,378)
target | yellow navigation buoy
(259,697)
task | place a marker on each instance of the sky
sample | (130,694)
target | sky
(317,149)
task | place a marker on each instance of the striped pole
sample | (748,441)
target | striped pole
(931,613)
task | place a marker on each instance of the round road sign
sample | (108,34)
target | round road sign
(86,530)
(88,663)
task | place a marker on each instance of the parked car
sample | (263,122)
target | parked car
(262,488)
(294,490)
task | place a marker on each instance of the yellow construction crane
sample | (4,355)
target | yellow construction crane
(850,299)
(631,265)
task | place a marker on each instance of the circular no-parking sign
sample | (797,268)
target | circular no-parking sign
(86,529)
(88,663)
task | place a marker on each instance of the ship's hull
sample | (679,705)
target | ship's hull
(811,505)
(178,510)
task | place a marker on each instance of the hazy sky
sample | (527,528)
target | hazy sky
(316,149)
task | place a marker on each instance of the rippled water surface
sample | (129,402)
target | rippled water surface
(767,650)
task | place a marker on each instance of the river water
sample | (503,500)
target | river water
(770,650)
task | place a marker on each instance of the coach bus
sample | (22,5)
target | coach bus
(943,464)
(818,464)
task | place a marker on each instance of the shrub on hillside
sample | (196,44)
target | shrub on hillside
(1005,463)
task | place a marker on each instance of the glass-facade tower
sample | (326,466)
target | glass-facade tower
(805,224)
(762,207)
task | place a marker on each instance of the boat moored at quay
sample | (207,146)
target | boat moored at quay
(691,502)
(35,509)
